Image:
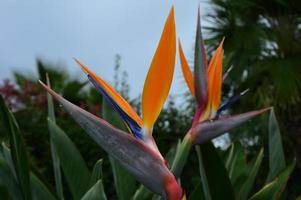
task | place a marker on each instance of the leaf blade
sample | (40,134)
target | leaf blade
(276,155)
(273,189)
(39,190)
(96,192)
(218,183)
(55,158)
(18,149)
(9,181)
(124,184)
(248,184)
(204,180)
(73,165)
(96,173)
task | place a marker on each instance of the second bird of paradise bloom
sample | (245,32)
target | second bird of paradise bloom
(205,85)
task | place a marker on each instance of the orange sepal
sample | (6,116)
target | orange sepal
(160,74)
(215,71)
(188,76)
(122,103)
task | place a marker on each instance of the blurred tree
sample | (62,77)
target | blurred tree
(59,78)
(263,43)
(121,79)
(28,100)
(263,39)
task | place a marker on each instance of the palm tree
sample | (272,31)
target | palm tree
(263,43)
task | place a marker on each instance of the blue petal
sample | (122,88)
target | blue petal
(133,126)
(229,102)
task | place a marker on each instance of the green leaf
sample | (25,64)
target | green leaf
(203,173)
(274,189)
(8,180)
(96,192)
(214,173)
(248,184)
(6,154)
(276,155)
(236,163)
(197,193)
(228,156)
(39,190)
(182,153)
(267,192)
(19,153)
(3,192)
(142,193)
(55,158)
(171,154)
(96,173)
(51,114)
(73,164)
(125,185)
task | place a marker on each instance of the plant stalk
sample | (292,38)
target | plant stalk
(181,155)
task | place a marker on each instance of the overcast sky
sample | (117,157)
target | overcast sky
(93,31)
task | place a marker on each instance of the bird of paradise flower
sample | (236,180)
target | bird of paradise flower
(138,151)
(205,85)
(139,154)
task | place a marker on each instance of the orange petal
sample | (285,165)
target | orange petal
(206,113)
(188,76)
(122,103)
(160,74)
(215,78)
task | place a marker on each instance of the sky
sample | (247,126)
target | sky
(93,31)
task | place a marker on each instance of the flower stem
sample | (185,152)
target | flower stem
(181,155)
